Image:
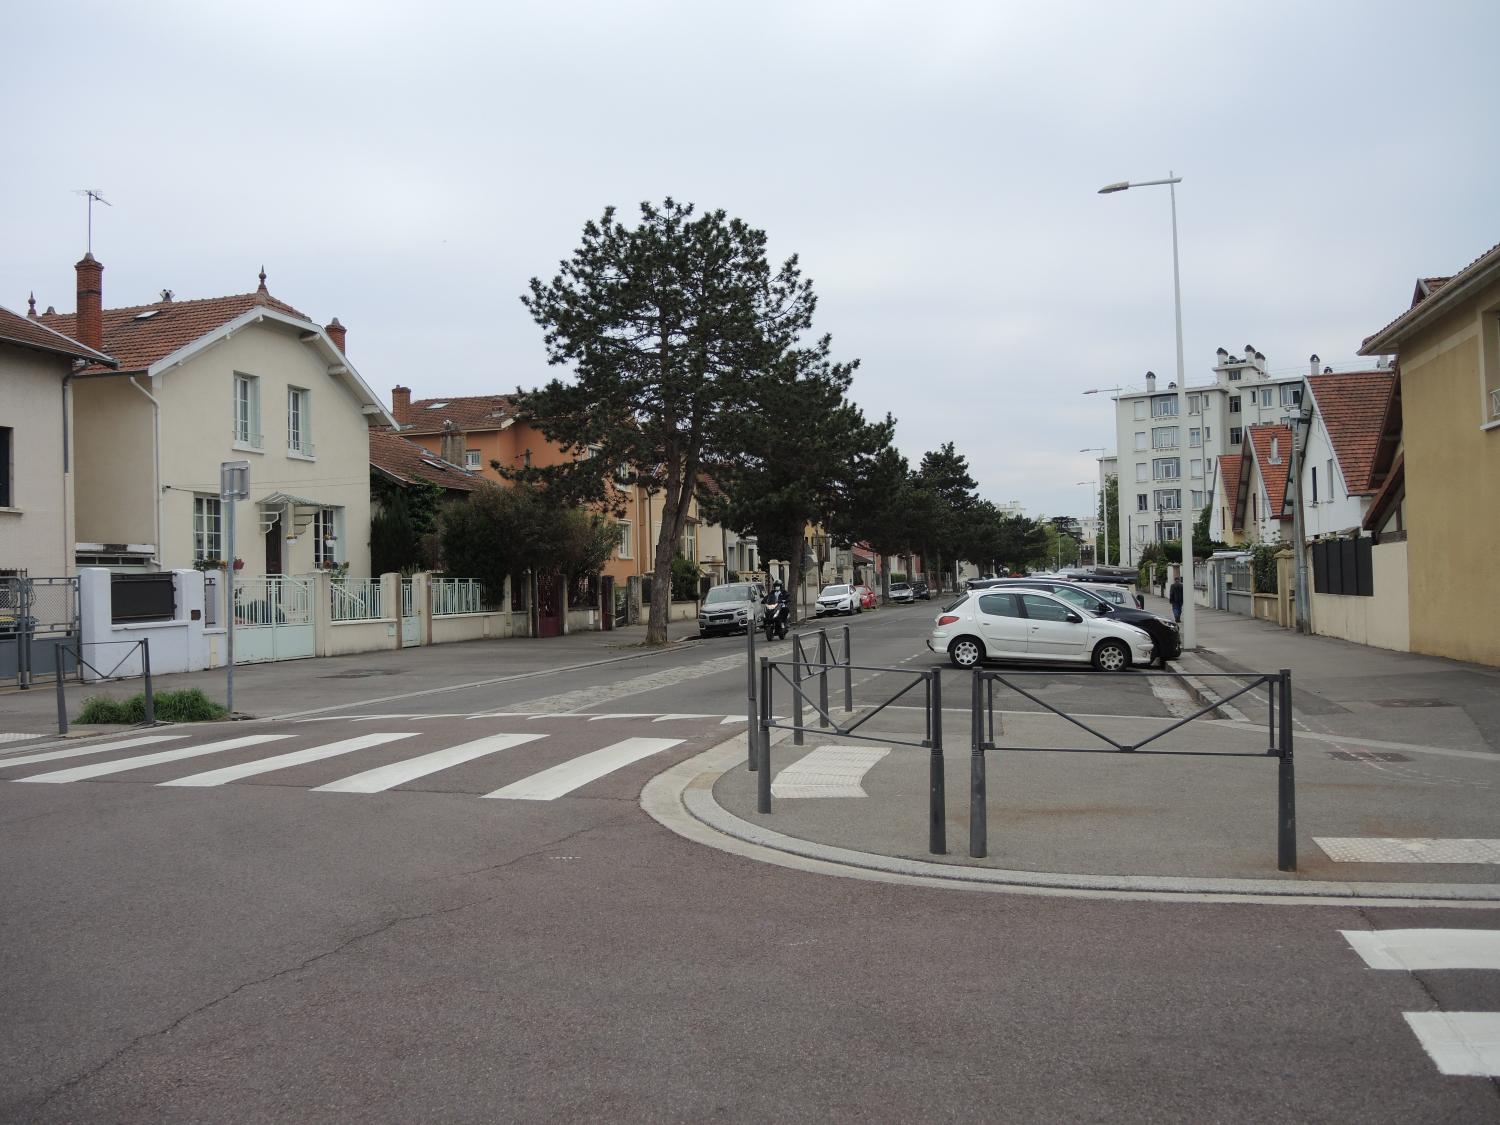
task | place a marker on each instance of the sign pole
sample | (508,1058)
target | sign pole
(234,485)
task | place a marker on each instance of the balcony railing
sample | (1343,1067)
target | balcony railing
(1495,403)
(302,448)
(246,437)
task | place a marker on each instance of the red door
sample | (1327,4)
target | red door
(549,595)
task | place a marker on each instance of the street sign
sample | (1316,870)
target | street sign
(234,480)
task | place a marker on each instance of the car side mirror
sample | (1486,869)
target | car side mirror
(1074,618)
(1102,611)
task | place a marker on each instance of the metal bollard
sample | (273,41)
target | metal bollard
(978,807)
(848,673)
(825,655)
(763,775)
(146,672)
(937,813)
(797,657)
(62,696)
(1272,687)
(1286,785)
(752,713)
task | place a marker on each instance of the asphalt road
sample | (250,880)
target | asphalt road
(260,948)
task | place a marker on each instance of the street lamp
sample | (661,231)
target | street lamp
(1104,484)
(1189,635)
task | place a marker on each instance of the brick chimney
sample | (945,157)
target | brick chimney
(90,327)
(401,404)
(337,333)
(452,449)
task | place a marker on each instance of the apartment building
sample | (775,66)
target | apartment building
(1167,445)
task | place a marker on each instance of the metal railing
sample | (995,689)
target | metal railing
(76,651)
(452,596)
(1278,731)
(354,599)
(273,600)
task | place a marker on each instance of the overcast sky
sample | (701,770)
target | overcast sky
(408,167)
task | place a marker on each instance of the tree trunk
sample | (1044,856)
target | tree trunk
(885,579)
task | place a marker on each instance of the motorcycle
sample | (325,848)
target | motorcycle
(774,619)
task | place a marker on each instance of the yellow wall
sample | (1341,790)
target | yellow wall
(1382,620)
(36,528)
(1452,488)
(114,464)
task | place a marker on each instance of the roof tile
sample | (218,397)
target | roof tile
(468,414)
(17,329)
(409,462)
(1276,472)
(1353,407)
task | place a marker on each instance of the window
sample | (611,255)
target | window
(1314,484)
(1195,467)
(471,459)
(1169,499)
(1265,396)
(1195,404)
(1166,468)
(1140,409)
(325,538)
(999,605)
(208,544)
(1208,433)
(1489,369)
(1197,500)
(1042,608)
(1234,435)
(1332,492)
(1171,529)
(299,421)
(1164,406)
(1140,440)
(1291,394)
(624,549)
(1275,450)
(247,411)
(1234,376)
(1234,404)
(1142,502)
(1140,471)
(1164,437)
(688,545)
(1195,437)
(6,500)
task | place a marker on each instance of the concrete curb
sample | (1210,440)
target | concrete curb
(681,799)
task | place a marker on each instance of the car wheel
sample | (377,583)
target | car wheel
(1111,656)
(966,652)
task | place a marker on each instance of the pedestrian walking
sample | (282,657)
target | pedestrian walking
(1177,598)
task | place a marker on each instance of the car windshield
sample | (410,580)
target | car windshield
(834,591)
(899,586)
(720,594)
(951,606)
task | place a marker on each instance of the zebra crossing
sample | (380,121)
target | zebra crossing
(521,758)
(1459,1043)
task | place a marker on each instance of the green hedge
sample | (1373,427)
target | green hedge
(190,706)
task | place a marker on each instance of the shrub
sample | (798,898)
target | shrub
(188,706)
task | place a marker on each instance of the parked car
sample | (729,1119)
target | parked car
(730,608)
(1166,636)
(867,599)
(837,599)
(1115,595)
(902,592)
(920,589)
(1027,624)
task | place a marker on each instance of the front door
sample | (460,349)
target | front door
(1051,633)
(607,600)
(1001,625)
(273,548)
(549,599)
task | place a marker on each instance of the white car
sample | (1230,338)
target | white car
(838,599)
(1020,624)
(902,592)
(1115,595)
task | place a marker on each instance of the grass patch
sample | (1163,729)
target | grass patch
(189,706)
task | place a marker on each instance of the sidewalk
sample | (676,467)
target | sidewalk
(288,686)
(1397,764)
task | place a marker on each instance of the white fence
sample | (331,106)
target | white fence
(452,596)
(354,599)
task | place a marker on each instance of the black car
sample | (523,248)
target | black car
(920,590)
(1166,637)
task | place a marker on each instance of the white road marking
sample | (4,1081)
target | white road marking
(668,718)
(18,737)
(561,779)
(730,720)
(100,769)
(1414,950)
(97,748)
(1389,849)
(1460,1043)
(829,771)
(282,761)
(620,715)
(399,773)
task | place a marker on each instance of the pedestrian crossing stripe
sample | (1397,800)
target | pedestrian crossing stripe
(399,773)
(283,761)
(1460,1043)
(1417,849)
(102,769)
(96,748)
(565,777)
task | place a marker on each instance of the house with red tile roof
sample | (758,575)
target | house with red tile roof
(200,382)
(1230,498)
(37,366)
(1348,411)
(1261,511)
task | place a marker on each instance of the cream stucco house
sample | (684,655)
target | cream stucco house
(200,382)
(36,481)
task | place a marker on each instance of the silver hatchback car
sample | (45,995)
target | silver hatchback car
(1020,624)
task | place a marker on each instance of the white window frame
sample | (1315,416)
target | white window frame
(1489,369)
(1195,467)
(1265,397)
(327,522)
(1140,410)
(1140,441)
(1164,406)
(1236,435)
(1195,438)
(245,412)
(1195,404)
(1142,502)
(1171,529)
(1197,499)
(1164,437)
(1168,499)
(626,548)
(1291,394)
(472,459)
(1142,471)
(208,528)
(1234,404)
(1162,466)
(299,441)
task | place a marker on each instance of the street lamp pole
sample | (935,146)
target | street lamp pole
(1189,625)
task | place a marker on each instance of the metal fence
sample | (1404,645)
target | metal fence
(452,596)
(120,652)
(37,616)
(354,599)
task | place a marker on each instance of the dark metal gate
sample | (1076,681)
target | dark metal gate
(38,621)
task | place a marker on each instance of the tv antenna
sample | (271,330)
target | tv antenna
(95,196)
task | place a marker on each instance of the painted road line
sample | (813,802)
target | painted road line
(669,718)
(730,720)
(282,761)
(1460,1043)
(829,771)
(1414,950)
(100,769)
(18,737)
(97,748)
(561,779)
(399,773)
(620,715)
(1390,849)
